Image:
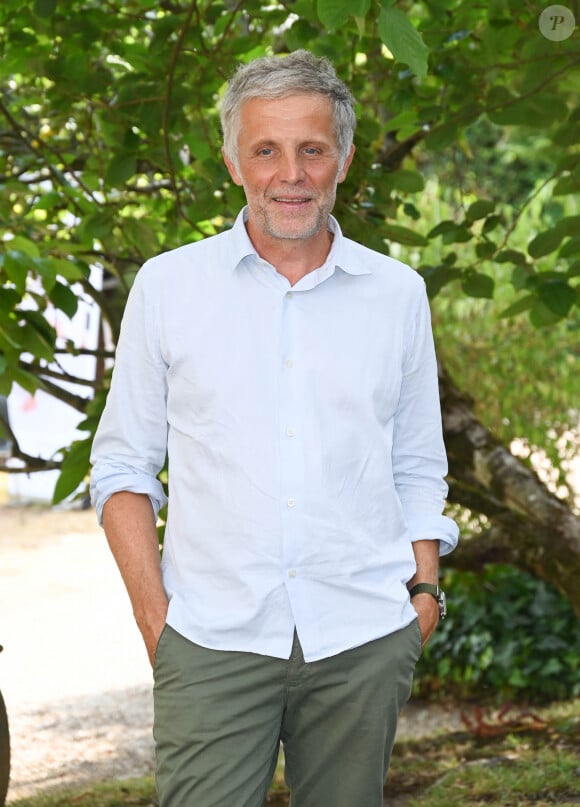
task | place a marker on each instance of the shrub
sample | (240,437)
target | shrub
(507,634)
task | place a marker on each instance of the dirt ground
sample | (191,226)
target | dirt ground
(73,673)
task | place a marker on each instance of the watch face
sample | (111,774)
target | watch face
(442,600)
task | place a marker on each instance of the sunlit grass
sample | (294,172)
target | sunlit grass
(537,767)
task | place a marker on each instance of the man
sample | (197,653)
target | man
(290,375)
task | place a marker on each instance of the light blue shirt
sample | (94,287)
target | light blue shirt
(303,430)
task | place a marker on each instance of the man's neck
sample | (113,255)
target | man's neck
(293,258)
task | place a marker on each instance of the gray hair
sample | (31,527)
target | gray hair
(277,77)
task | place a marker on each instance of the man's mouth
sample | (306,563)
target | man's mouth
(291,200)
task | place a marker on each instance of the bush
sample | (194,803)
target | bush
(507,634)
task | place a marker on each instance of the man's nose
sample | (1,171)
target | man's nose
(291,168)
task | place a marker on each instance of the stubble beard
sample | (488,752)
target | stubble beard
(294,229)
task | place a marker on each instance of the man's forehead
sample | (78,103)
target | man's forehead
(310,99)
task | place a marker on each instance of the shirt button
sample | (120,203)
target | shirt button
(289,363)
(291,502)
(292,573)
(290,432)
(289,295)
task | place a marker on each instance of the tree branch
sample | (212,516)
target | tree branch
(77,402)
(31,463)
(167,106)
(530,526)
(46,372)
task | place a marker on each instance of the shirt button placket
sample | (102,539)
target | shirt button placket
(290,449)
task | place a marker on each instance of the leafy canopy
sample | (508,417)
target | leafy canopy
(110,153)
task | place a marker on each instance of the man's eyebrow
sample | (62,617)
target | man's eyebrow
(307,141)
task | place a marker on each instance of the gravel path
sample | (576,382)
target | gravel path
(74,674)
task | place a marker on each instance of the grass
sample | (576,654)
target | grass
(126,793)
(512,759)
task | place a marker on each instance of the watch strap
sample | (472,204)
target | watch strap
(425,588)
(437,594)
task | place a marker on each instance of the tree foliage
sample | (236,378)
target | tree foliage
(110,153)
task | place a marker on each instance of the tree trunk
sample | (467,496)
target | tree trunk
(529,526)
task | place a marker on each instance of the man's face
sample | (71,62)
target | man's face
(288,165)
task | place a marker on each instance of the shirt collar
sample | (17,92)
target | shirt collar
(242,247)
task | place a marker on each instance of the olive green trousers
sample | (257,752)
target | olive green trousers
(220,718)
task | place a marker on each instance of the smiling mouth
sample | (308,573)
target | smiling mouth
(291,200)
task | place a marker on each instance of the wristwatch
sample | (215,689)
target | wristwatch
(434,591)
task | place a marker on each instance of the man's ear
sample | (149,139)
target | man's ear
(233,171)
(346,166)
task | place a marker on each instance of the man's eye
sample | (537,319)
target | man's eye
(310,150)
(265,152)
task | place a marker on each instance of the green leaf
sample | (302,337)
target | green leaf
(64,299)
(140,234)
(558,296)
(26,380)
(442,228)
(121,168)
(403,235)
(48,201)
(38,336)
(545,242)
(436,277)
(333,13)
(521,276)
(31,341)
(458,234)
(480,209)
(485,249)
(74,469)
(570,247)
(541,316)
(71,269)
(491,223)
(568,134)
(360,24)
(511,256)
(408,181)
(411,211)
(538,110)
(16,267)
(404,120)
(24,245)
(569,225)
(97,225)
(476,284)
(402,38)
(442,136)
(568,184)
(524,304)
(360,8)
(46,271)
(9,299)
(45,8)
(9,337)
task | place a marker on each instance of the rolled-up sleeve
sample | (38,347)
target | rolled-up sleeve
(419,458)
(130,445)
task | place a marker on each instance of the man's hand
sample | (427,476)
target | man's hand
(427,560)
(428,614)
(151,632)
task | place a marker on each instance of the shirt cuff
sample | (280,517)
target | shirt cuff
(434,528)
(107,481)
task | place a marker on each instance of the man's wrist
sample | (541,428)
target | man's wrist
(432,590)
